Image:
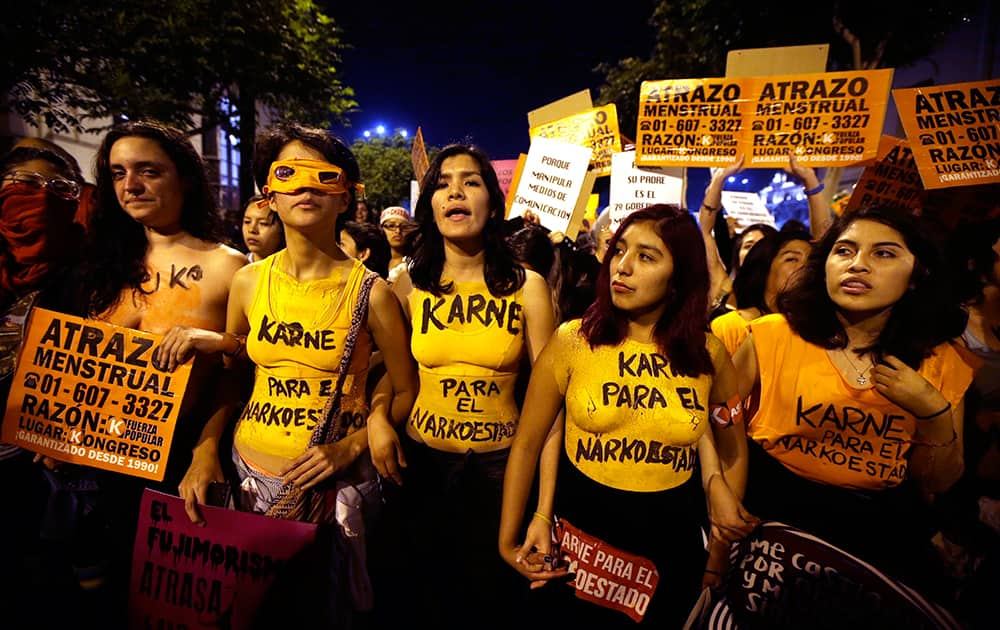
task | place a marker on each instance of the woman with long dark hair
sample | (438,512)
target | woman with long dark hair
(154,259)
(768,269)
(861,391)
(474,312)
(639,376)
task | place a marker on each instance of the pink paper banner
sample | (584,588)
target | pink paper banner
(186,576)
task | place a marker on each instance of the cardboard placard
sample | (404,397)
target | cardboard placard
(954,132)
(893,180)
(634,188)
(552,183)
(596,128)
(216,576)
(418,156)
(776,60)
(85,392)
(825,119)
(566,106)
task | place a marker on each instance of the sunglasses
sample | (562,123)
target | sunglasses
(58,186)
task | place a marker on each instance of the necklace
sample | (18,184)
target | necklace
(861,379)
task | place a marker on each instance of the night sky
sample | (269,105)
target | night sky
(473,72)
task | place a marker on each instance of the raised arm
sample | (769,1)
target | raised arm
(820,215)
(711,205)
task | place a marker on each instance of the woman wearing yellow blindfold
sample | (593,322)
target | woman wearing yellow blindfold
(301,317)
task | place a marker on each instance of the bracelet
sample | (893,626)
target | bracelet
(954,436)
(241,341)
(935,414)
(815,191)
(544,518)
(710,208)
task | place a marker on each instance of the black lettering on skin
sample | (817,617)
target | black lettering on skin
(293,335)
(633,397)
(626,450)
(451,429)
(429,315)
(689,402)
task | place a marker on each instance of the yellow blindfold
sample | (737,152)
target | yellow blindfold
(289,176)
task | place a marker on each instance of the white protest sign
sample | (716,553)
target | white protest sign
(633,188)
(551,182)
(414,195)
(747,208)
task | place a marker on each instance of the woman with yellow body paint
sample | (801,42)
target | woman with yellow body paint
(642,382)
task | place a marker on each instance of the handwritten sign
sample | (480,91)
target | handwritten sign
(86,392)
(418,156)
(605,575)
(893,180)
(785,577)
(747,208)
(596,128)
(634,188)
(551,182)
(188,576)
(825,119)
(954,132)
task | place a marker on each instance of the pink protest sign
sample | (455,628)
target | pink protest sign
(505,172)
(186,576)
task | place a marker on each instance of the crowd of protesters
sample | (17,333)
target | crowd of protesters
(733,364)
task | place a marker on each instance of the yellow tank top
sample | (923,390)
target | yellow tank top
(296,340)
(468,346)
(821,427)
(631,424)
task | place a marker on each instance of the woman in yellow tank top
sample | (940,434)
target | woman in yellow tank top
(290,314)
(474,313)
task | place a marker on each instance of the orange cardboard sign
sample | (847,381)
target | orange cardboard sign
(825,119)
(596,128)
(892,180)
(418,156)
(86,392)
(954,132)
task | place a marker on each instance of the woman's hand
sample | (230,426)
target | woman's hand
(904,386)
(717,565)
(385,447)
(318,463)
(204,469)
(533,558)
(720,176)
(730,520)
(50,463)
(804,174)
(181,342)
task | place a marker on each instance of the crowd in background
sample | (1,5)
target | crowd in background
(751,349)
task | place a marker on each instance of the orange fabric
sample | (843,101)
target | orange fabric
(822,427)
(732,329)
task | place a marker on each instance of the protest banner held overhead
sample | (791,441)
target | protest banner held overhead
(954,132)
(824,119)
